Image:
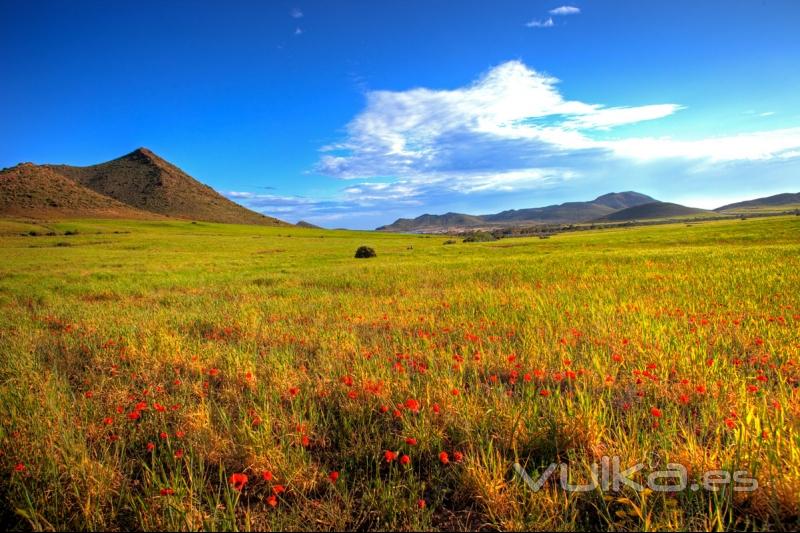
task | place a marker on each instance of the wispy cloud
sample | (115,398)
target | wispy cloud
(547,23)
(296,13)
(511,131)
(298,31)
(565,10)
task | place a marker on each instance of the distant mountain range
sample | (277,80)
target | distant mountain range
(779,200)
(612,207)
(565,213)
(138,185)
(142,185)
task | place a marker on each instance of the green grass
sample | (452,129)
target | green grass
(253,338)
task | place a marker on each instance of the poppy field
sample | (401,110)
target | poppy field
(181,376)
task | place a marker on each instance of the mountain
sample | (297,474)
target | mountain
(569,212)
(790,200)
(28,190)
(140,182)
(433,223)
(654,210)
(307,225)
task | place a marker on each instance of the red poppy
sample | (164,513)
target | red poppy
(134,415)
(267,475)
(458,456)
(272,501)
(238,481)
(412,405)
(389,456)
(411,441)
(108,421)
(167,492)
(179,454)
(20,467)
(150,446)
(656,412)
(444,458)
(421,503)
(544,392)
(278,489)
(405,460)
(333,476)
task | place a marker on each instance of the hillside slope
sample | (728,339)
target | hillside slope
(789,200)
(29,190)
(654,210)
(145,181)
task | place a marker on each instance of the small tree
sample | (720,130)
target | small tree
(364,252)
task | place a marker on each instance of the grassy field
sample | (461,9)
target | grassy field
(200,376)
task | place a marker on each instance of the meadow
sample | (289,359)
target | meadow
(181,376)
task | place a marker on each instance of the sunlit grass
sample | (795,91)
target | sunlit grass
(143,364)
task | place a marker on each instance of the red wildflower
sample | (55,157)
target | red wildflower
(267,475)
(179,454)
(421,503)
(238,481)
(272,501)
(444,458)
(389,456)
(412,405)
(333,476)
(150,446)
(167,492)
(411,441)
(405,460)
(458,456)
(278,489)
(20,467)
(656,412)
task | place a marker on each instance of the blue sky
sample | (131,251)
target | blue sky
(352,114)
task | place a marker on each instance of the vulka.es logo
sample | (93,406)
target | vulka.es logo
(609,475)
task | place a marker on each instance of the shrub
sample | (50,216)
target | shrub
(364,252)
(480,236)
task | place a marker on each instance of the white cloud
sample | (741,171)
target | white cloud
(298,31)
(565,10)
(547,23)
(296,13)
(511,132)
(511,119)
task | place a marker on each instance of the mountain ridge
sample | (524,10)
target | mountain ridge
(567,212)
(139,183)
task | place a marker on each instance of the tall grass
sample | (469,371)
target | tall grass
(140,370)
